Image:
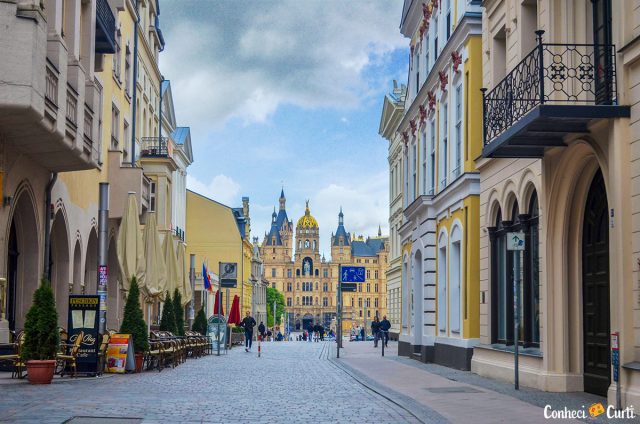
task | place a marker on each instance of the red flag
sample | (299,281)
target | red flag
(216,305)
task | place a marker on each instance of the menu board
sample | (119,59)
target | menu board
(83,316)
(120,354)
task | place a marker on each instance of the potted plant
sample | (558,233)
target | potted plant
(133,323)
(41,336)
(168,320)
(200,323)
(178,311)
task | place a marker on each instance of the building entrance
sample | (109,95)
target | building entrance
(595,289)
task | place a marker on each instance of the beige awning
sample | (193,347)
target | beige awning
(155,282)
(130,249)
(171,262)
(184,284)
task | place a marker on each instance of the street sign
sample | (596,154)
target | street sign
(352,274)
(349,287)
(515,241)
(228,274)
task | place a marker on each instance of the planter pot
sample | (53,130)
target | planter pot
(40,372)
(139,361)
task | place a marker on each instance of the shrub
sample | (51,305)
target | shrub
(178,311)
(200,323)
(168,320)
(41,325)
(133,320)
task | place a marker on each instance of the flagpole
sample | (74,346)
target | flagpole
(219,301)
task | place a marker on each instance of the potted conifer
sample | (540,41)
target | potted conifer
(178,311)
(133,323)
(41,336)
(168,320)
(200,322)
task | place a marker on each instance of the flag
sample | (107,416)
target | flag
(205,277)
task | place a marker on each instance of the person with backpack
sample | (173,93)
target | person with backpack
(248,323)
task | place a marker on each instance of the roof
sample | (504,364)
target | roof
(341,232)
(371,247)
(307,220)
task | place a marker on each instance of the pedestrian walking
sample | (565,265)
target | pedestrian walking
(248,323)
(362,333)
(261,330)
(310,333)
(385,325)
(375,330)
(321,333)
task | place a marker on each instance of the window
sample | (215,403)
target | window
(458,158)
(325,273)
(325,301)
(444,148)
(125,133)
(426,53)
(417,68)
(316,285)
(297,300)
(273,272)
(359,287)
(289,273)
(273,285)
(368,287)
(116,56)
(368,274)
(289,286)
(424,160)
(288,301)
(359,302)
(375,275)
(152,197)
(502,278)
(447,10)
(298,272)
(297,286)
(432,159)
(375,302)
(368,302)
(325,287)
(375,288)
(127,71)
(317,271)
(435,38)
(115,127)
(368,313)
(414,170)
(360,313)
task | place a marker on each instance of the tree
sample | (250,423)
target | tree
(168,320)
(41,326)
(178,311)
(274,294)
(200,323)
(133,320)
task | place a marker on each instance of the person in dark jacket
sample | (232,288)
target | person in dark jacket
(362,333)
(375,330)
(310,330)
(321,330)
(261,330)
(385,325)
(248,323)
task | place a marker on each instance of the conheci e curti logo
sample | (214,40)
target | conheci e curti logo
(592,411)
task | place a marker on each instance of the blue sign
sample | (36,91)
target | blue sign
(352,274)
(615,361)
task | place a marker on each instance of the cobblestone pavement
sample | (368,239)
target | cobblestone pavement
(291,382)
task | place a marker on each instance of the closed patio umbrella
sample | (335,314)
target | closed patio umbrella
(171,261)
(184,284)
(234,314)
(155,282)
(130,249)
(216,305)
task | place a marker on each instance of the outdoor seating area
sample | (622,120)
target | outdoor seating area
(15,357)
(169,350)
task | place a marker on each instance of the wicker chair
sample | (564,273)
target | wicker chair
(69,360)
(102,352)
(16,357)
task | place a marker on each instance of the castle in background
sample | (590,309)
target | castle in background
(309,282)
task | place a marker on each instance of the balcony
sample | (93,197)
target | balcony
(156,147)
(125,179)
(105,28)
(555,91)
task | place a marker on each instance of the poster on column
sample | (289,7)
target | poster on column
(120,354)
(83,317)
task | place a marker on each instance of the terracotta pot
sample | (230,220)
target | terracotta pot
(139,361)
(40,372)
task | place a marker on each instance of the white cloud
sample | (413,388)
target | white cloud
(221,188)
(235,59)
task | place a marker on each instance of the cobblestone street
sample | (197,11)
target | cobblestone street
(290,382)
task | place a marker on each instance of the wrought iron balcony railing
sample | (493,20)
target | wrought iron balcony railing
(155,147)
(557,74)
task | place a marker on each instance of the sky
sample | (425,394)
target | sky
(287,93)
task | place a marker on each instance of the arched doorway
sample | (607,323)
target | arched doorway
(91,264)
(595,289)
(59,266)
(22,260)
(307,321)
(77,269)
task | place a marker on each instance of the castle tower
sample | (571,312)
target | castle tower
(341,242)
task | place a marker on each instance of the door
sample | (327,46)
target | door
(595,290)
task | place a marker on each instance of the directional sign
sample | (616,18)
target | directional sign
(515,241)
(228,274)
(349,287)
(352,274)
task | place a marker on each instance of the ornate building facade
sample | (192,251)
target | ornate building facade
(309,282)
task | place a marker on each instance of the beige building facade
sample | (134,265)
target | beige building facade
(559,164)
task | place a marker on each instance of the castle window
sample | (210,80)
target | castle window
(325,273)
(325,301)
(375,288)
(273,272)
(289,286)
(298,272)
(317,272)
(325,287)
(288,301)
(289,273)
(368,287)
(368,273)
(375,302)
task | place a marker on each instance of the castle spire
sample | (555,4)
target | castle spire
(379,231)
(283,200)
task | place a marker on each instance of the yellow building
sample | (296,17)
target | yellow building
(219,233)
(309,282)
(442,135)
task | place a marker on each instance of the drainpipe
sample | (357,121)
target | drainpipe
(135,86)
(47,226)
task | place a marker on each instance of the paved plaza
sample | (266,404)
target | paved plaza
(291,382)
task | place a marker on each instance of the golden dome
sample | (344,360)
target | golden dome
(307,221)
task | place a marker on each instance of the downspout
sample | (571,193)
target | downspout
(47,226)
(135,86)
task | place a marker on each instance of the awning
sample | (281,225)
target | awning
(130,248)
